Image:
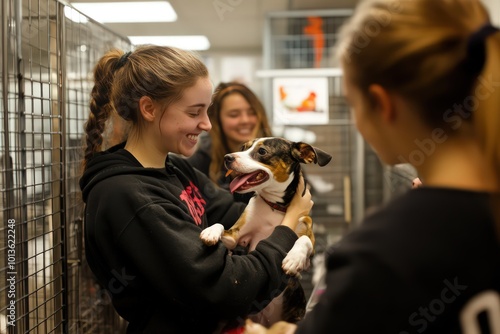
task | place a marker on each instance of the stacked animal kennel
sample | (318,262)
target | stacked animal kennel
(48,52)
(300,45)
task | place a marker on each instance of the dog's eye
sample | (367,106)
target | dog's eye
(262,151)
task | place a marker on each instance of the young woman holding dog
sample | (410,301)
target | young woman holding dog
(145,209)
(237,116)
(425,88)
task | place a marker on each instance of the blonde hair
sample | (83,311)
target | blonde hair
(121,79)
(419,49)
(218,137)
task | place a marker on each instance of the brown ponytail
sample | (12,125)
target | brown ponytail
(100,107)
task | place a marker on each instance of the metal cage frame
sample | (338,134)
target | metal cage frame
(48,53)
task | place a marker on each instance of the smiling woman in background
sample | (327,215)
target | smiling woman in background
(237,116)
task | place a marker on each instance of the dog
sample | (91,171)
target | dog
(270,167)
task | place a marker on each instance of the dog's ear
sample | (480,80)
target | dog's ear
(307,154)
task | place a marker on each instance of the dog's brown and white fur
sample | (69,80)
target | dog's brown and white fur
(271,168)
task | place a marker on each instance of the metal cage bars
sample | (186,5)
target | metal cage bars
(48,52)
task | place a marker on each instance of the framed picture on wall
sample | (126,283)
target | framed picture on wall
(300,101)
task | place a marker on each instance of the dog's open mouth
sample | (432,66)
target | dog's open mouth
(247,181)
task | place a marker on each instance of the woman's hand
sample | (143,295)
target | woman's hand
(281,327)
(299,207)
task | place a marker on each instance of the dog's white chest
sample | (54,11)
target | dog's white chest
(261,220)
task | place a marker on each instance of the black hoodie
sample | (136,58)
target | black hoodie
(422,264)
(142,228)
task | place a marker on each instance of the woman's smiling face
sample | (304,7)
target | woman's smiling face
(239,121)
(184,120)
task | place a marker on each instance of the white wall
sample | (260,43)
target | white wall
(235,66)
(494,8)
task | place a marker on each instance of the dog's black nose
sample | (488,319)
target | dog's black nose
(228,158)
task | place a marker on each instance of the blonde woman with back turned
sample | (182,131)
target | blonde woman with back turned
(423,81)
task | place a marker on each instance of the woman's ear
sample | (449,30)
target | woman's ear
(382,102)
(147,108)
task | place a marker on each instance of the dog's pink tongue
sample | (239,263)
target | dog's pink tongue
(239,181)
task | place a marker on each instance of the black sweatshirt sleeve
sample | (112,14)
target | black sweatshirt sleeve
(168,253)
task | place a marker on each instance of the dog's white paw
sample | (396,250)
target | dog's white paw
(297,259)
(211,235)
(294,263)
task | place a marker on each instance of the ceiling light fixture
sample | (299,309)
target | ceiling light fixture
(193,42)
(113,12)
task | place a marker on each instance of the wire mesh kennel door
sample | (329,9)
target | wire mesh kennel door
(48,53)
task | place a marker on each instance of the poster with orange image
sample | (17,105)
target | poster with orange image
(300,101)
